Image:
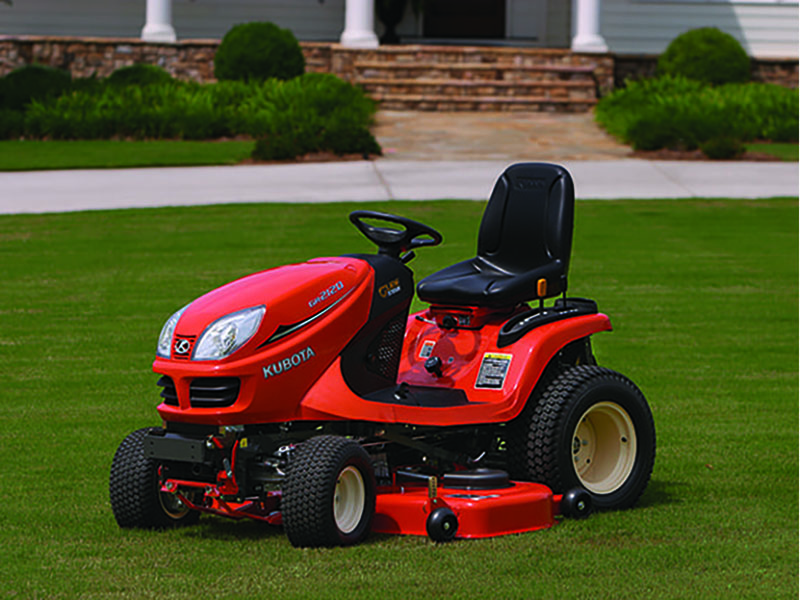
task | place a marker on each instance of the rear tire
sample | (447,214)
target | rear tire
(329,493)
(591,428)
(136,498)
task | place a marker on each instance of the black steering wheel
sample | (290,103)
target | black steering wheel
(394,242)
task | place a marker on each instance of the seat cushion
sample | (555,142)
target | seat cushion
(477,282)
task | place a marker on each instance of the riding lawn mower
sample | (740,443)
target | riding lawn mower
(306,395)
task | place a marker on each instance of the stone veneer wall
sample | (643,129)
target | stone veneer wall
(84,57)
(782,71)
(194,59)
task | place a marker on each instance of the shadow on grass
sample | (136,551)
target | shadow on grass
(659,493)
(221,529)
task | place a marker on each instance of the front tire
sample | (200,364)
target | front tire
(136,497)
(592,428)
(329,493)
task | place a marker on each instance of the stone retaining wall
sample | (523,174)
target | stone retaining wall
(782,71)
(194,59)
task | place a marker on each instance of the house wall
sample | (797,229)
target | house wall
(192,19)
(765,29)
(558,33)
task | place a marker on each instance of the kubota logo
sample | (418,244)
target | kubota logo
(283,365)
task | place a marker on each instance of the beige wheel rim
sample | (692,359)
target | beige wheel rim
(348,499)
(604,448)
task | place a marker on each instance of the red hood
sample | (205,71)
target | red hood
(291,294)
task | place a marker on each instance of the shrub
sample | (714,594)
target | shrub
(139,74)
(675,112)
(12,123)
(706,54)
(33,82)
(277,146)
(722,148)
(306,114)
(258,51)
(342,139)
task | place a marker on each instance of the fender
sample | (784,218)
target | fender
(497,382)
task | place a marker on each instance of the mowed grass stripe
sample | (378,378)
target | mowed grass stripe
(33,155)
(703,298)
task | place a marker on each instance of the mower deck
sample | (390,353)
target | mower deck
(480,513)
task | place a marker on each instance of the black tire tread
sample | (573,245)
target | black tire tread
(541,445)
(133,487)
(306,505)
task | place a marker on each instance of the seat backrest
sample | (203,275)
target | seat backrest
(528,221)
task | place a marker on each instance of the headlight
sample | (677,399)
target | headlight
(165,339)
(226,335)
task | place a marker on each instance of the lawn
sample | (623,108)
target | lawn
(32,155)
(703,297)
(785,152)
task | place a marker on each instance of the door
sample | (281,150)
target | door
(468,19)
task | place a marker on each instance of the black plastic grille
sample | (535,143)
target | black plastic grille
(384,353)
(168,391)
(213,392)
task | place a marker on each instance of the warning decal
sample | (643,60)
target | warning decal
(494,368)
(427,349)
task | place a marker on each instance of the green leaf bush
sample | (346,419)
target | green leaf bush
(679,113)
(258,51)
(706,54)
(12,123)
(311,113)
(32,82)
(139,74)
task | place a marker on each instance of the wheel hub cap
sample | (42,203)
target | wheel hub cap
(604,448)
(348,499)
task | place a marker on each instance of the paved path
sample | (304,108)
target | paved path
(508,136)
(59,191)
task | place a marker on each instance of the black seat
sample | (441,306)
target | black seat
(524,243)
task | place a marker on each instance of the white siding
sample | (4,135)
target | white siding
(123,18)
(308,19)
(629,26)
(646,27)
(526,19)
(558,33)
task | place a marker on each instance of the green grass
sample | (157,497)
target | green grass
(32,155)
(703,297)
(785,152)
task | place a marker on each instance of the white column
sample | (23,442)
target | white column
(359,19)
(586,19)
(158,25)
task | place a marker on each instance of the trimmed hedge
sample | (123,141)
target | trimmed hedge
(309,113)
(679,113)
(706,54)
(32,82)
(139,74)
(258,51)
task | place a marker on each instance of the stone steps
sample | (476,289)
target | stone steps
(449,102)
(476,78)
(465,88)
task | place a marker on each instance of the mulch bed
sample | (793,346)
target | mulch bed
(313,157)
(665,154)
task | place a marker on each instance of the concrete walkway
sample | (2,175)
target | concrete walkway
(384,179)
